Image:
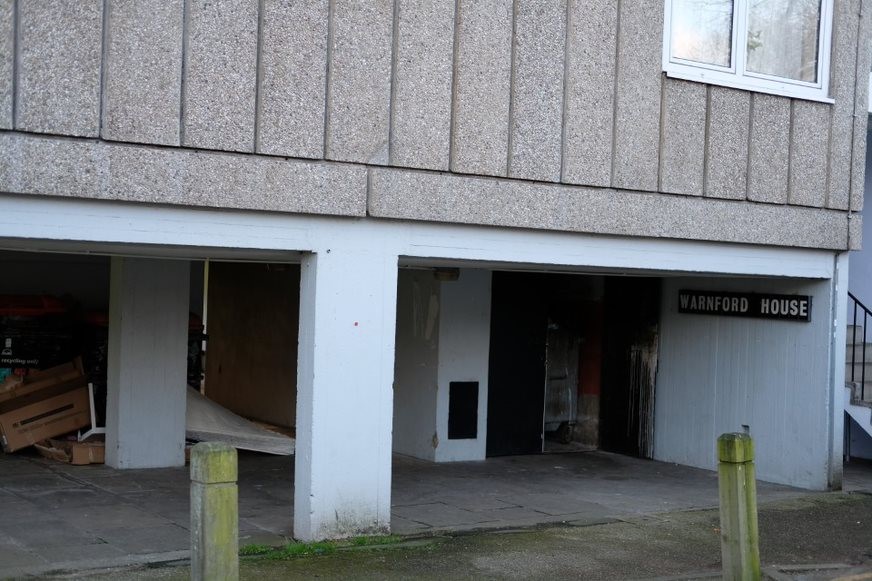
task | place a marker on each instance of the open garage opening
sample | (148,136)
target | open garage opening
(499,363)
(61,309)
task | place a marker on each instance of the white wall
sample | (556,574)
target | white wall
(415,364)
(464,350)
(718,373)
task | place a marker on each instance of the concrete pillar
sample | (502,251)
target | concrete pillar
(147,370)
(214,513)
(342,481)
(737,488)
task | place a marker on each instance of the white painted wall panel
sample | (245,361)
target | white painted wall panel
(464,350)
(717,374)
(416,363)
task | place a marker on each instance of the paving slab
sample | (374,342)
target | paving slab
(99,514)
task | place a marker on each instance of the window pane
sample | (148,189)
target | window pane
(702,31)
(783,38)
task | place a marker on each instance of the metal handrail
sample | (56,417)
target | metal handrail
(867,313)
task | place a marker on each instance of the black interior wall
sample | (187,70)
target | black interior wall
(632,314)
(523,304)
(516,376)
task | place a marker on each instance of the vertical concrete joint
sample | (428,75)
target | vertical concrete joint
(738,499)
(214,512)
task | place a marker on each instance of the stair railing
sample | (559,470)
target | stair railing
(867,314)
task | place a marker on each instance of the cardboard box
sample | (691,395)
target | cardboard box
(91,451)
(58,414)
(60,378)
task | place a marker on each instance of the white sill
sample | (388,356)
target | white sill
(710,77)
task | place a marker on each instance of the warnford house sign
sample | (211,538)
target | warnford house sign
(758,306)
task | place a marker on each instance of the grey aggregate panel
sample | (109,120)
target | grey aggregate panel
(843,67)
(590,82)
(537,92)
(808,153)
(770,149)
(412,195)
(637,103)
(421,106)
(855,231)
(482,88)
(293,67)
(359,93)
(50,166)
(143,72)
(861,104)
(682,158)
(729,120)
(139,173)
(7,54)
(220,74)
(59,61)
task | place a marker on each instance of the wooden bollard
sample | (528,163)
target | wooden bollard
(738,494)
(214,513)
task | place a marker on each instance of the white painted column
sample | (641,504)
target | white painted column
(342,482)
(147,369)
(836,397)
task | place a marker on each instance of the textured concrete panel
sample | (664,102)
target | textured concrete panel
(682,158)
(843,67)
(59,60)
(809,141)
(770,149)
(7,52)
(537,91)
(49,166)
(421,106)
(482,88)
(143,72)
(136,173)
(861,104)
(729,120)
(359,92)
(637,103)
(218,101)
(411,195)
(855,232)
(293,67)
(590,81)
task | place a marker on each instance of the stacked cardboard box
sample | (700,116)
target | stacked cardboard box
(43,405)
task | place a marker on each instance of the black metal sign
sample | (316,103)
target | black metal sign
(758,306)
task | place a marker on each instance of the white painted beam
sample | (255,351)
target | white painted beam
(342,483)
(41,223)
(147,368)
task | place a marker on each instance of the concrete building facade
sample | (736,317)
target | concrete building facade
(407,155)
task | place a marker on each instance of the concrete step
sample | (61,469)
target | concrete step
(861,414)
(860,396)
(858,352)
(849,336)
(858,368)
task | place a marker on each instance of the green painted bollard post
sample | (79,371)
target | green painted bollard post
(214,513)
(738,491)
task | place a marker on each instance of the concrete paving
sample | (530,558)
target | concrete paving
(55,515)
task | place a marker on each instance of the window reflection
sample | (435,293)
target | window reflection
(783,38)
(702,31)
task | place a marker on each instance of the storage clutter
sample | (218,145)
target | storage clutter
(53,375)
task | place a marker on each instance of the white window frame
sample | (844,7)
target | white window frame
(737,76)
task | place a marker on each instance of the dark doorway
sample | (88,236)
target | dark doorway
(632,313)
(516,376)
